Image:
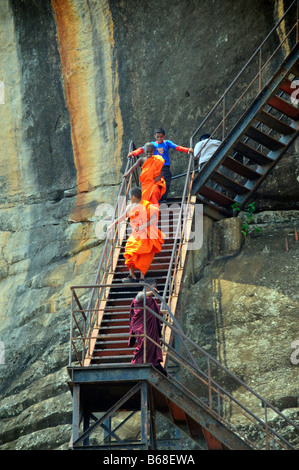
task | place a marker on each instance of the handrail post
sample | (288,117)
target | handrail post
(223,118)
(71,329)
(266,426)
(210,383)
(260,69)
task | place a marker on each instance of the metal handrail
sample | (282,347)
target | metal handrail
(106,255)
(185,200)
(188,361)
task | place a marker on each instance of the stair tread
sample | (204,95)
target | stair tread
(112,342)
(242,170)
(216,197)
(287,86)
(273,123)
(265,139)
(284,107)
(228,183)
(252,154)
(112,352)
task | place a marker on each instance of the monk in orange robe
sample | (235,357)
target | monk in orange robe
(152,182)
(146,239)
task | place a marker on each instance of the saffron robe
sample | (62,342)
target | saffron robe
(152,191)
(142,246)
(153,330)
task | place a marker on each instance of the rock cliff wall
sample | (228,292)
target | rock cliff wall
(81,79)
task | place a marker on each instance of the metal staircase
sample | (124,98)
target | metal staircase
(253,143)
(199,397)
(109,346)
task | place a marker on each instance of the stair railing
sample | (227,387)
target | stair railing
(218,400)
(107,262)
(91,317)
(180,233)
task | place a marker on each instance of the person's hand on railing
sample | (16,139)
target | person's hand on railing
(111,227)
(190,151)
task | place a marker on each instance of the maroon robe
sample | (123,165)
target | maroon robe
(153,330)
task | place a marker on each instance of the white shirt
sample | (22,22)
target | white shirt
(205,149)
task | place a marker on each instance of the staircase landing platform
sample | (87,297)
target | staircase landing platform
(140,387)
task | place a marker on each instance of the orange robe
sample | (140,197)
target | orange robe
(142,246)
(152,191)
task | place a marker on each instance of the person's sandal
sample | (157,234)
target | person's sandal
(130,279)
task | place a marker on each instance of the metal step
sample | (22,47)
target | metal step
(108,353)
(287,86)
(252,154)
(110,344)
(228,183)
(284,107)
(273,123)
(240,169)
(216,197)
(264,139)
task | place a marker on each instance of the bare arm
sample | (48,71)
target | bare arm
(150,222)
(148,293)
(120,219)
(139,162)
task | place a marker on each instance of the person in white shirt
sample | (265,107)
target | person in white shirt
(205,149)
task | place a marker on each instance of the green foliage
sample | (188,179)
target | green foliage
(249,211)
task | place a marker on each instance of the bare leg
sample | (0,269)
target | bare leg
(132,272)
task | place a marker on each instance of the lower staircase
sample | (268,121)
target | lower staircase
(141,388)
(111,346)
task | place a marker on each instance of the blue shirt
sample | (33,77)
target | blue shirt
(162,149)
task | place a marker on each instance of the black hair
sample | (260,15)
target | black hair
(160,130)
(204,137)
(136,192)
(151,281)
(148,145)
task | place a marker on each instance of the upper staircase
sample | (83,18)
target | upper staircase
(252,143)
(199,396)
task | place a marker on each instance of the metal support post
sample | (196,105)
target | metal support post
(144,415)
(76,412)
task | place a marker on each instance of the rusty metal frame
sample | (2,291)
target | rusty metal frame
(293,9)
(216,394)
(81,441)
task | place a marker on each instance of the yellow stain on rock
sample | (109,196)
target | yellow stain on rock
(281,30)
(80,259)
(13,153)
(94,137)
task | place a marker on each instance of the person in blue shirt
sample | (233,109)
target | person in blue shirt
(162,147)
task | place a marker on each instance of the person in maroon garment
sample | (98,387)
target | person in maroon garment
(153,329)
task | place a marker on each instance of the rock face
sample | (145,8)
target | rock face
(246,313)
(81,79)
